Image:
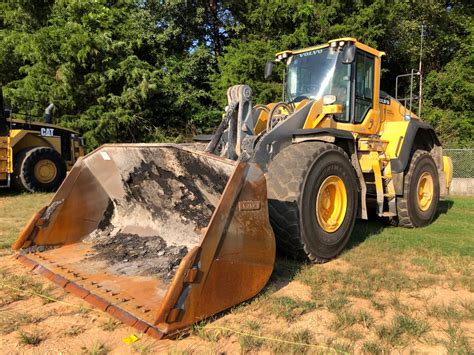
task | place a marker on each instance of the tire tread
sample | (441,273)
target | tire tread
(286,184)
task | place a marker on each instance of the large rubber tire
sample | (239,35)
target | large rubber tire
(24,169)
(293,180)
(409,213)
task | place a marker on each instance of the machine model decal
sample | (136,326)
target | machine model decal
(249,205)
(384,101)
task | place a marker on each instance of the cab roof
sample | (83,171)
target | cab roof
(354,41)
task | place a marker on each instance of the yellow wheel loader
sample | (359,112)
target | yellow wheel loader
(35,156)
(162,235)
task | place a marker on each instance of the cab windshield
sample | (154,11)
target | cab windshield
(317,73)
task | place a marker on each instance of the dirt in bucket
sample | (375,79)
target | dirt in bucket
(189,188)
(138,255)
(170,196)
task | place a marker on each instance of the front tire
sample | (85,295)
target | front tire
(39,169)
(313,200)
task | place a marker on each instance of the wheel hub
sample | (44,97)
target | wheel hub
(425,191)
(45,171)
(331,204)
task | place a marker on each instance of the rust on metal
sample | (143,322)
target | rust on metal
(159,236)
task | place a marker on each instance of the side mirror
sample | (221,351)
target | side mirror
(268,69)
(348,54)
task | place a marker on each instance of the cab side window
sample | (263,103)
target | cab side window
(364,86)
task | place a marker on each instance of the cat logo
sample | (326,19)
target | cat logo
(47,132)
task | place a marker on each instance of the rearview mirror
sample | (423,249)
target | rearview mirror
(268,69)
(348,54)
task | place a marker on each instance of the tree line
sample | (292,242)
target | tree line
(158,70)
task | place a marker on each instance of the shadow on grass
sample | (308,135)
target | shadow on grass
(363,229)
(10,192)
(443,207)
(286,269)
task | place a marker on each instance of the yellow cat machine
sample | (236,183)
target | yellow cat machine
(35,156)
(162,235)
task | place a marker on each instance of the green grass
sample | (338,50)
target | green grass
(346,319)
(371,347)
(382,268)
(401,328)
(448,312)
(289,308)
(15,210)
(457,341)
(33,338)
(452,233)
(253,325)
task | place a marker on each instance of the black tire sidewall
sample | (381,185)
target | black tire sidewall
(418,217)
(31,158)
(322,244)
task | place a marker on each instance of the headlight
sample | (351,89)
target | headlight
(329,99)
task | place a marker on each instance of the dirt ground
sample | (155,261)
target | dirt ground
(392,291)
(285,311)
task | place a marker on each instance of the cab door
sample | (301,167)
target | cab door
(364,81)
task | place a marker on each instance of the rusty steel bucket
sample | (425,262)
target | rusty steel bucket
(158,235)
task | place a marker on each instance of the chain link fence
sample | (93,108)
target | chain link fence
(463,162)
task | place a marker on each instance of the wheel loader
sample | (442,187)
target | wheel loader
(35,156)
(164,235)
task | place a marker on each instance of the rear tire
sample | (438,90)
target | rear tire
(414,209)
(39,169)
(296,179)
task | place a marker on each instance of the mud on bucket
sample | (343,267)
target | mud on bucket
(159,236)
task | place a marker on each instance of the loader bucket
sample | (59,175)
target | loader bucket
(157,235)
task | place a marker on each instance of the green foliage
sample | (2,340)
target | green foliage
(243,62)
(151,70)
(449,95)
(109,71)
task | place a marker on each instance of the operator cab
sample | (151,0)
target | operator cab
(342,73)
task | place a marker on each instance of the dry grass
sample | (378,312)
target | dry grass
(393,290)
(11,321)
(289,308)
(110,325)
(97,348)
(15,210)
(30,338)
(74,330)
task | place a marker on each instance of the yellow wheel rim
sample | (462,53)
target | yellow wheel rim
(331,204)
(425,191)
(45,171)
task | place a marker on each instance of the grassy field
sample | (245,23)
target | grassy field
(15,210)
(392,290)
